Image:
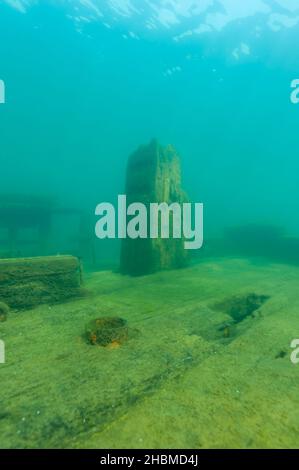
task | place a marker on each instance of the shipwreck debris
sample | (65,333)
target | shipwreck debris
(26,282)
(153,176)
(107,331)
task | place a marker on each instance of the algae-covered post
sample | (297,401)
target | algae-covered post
(153,176)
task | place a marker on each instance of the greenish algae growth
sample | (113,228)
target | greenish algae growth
(179,383)
(4,310)
(27,282)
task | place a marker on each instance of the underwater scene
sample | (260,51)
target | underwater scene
(149,230)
